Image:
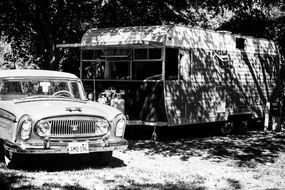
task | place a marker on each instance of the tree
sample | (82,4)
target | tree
(12,59)
(36,27)
(43,24)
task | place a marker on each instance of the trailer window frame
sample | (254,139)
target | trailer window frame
(105,59)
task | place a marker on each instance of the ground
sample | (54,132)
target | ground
(252,161)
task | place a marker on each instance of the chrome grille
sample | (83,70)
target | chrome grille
(73,126)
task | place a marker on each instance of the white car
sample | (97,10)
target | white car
(47,112)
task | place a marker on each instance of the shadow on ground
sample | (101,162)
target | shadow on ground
(176,186)
(247,150)
(53,163)
(18,181)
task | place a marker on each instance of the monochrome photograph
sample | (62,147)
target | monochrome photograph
(142,95)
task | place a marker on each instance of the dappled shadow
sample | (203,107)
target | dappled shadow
(126,35)
(221,80)
(116,163)
(246,150)
(167,186)
(13,180)
(7,180)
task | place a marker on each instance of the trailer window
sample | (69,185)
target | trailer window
(155,53)
(147,53)
(147,64)
(240,43)
(122,64)
(117,54)
(92,54)
(94,69)
(171,64)
(147,70)
(140,54)
(117,70)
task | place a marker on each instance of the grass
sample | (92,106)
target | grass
(253,161)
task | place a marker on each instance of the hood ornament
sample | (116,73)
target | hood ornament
(74,127)
(71,109)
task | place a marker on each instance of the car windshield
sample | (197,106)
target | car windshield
(11,89)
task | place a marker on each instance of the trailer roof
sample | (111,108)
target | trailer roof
(171,36)
(139,35)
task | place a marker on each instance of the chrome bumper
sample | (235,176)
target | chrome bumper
(62,147)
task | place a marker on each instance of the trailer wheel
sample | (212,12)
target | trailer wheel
(227,128)
(242,127)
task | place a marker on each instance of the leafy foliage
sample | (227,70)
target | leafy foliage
(36,27)
(14,58)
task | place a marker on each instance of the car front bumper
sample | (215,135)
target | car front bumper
(61,147)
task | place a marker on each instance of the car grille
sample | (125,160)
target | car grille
(73,126)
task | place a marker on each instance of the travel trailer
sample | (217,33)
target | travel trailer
(177,75)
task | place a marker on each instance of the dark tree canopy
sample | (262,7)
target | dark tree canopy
(35,27)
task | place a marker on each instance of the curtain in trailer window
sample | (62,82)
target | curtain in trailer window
(185,67)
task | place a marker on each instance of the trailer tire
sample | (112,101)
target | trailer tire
(227,128)
(242,127)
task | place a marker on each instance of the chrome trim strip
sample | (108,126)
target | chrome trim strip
(147,123)
(61,148)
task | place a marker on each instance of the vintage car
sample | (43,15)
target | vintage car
(47,112)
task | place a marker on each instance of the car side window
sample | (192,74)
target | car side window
(75,90)
(3,87)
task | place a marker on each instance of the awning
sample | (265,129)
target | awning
(75,45)
(140,43)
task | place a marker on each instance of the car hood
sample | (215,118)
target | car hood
(42,108)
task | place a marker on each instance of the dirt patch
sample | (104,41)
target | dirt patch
(252,161)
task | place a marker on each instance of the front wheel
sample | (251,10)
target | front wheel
(1,151)
(101,158)
(10,160)
(3,157)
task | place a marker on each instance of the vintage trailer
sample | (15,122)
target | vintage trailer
(178,75)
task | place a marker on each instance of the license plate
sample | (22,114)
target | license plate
(78,147)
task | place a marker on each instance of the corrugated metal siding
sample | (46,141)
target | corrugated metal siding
(216,89)
(189,38)
(124,35)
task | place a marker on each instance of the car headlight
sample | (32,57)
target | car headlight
(25,124)
(102,127)
(43,128)
(120,126)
